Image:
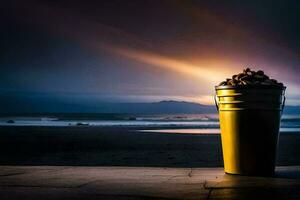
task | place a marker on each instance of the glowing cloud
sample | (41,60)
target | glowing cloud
(203,70)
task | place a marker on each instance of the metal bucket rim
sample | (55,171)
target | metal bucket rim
(263,87)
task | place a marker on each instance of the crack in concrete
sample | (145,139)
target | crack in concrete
(38,186)
(170,178)
(88,183)
(209,194)
(12,174)
(190,173)
(207,188)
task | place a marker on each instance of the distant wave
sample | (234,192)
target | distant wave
(201,121)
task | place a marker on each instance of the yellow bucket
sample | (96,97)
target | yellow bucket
(249,122)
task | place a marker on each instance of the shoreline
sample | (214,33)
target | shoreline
(151,129)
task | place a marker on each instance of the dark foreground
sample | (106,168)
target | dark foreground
(136,183)
(96,146)
(120,163)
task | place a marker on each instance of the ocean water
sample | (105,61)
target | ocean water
(189,123)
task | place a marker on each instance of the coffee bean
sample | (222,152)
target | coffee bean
(248,77)
(259,72)
(223,83)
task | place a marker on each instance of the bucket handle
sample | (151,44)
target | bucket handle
(217,105)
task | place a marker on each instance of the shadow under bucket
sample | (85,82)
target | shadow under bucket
(250,121)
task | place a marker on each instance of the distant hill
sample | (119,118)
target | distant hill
(162,107)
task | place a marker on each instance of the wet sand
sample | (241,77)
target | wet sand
(98,146)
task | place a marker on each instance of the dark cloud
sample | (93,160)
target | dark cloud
(145,47)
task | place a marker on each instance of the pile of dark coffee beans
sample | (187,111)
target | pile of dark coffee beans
(249,77)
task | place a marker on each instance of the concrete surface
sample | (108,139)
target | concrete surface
(131,183)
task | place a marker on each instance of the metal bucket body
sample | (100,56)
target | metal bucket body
(249,122)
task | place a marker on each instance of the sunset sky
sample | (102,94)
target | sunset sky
(144,51)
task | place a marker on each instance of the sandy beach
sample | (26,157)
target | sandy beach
(98,146)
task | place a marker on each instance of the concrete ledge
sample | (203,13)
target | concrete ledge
(47,182)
